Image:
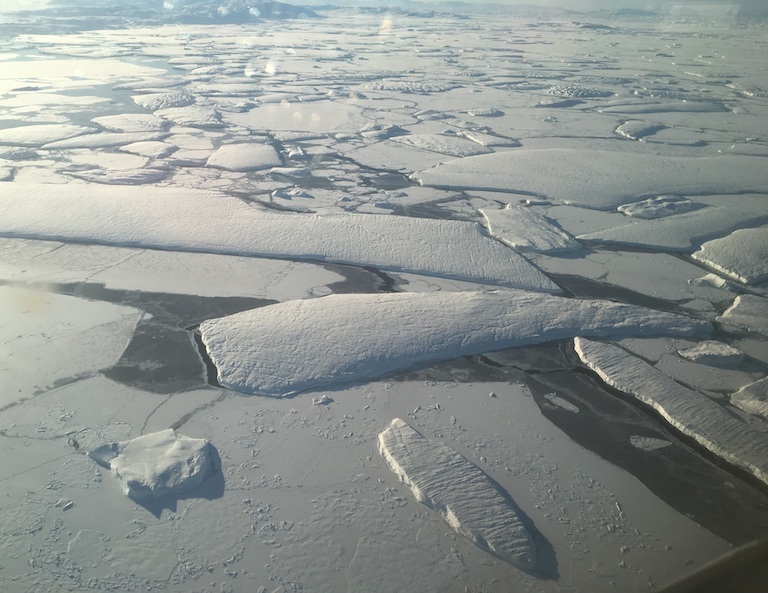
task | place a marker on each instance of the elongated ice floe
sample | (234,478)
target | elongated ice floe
(461,492)
(526,230)
(660,207)
(753,398)
(690,412)
(299,345)
(748,311)
(158,464)
(742,255)
(36,135)
(189,220)
(588,178)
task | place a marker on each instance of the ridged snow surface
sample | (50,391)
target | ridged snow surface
(189,220)
(588,178)
(690,412)
(299,345)
(525,230)
(742,255)
(158,464)
(460,491)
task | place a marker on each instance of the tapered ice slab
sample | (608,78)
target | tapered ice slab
(158,464)
(748,311)
(525,230)
(460,491)
(690,412)
(753,398)
(742,255)
(299,345)
(588,178)
(189,220)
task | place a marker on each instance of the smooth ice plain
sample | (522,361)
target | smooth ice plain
(238,239)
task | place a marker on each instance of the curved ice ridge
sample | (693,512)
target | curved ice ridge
(461,492)
(306,344)
(690,412)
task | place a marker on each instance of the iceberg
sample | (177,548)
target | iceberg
(194,220)
(461,492)
(158,464)
(690,412)
(300,345)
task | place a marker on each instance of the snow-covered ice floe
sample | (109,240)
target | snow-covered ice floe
(461,492)
(748,311)
(244,157)
(742,255)
(294,346)
(190,220)
(588,178)
(713,353)
(158,464)
(660,207)
(753,398)
(690,412)
(525,230)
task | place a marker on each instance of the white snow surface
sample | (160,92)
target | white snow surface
(158,464)
(742,255)
(36,135)
(659,207)
(244,157)
(192,220)
(748,311)
(449,145)
(306,344)
(104,140)
(525,230)
(690,412)
(589,179)
(461,492)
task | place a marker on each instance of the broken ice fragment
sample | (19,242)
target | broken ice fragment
(748,311)
(742,255)
(753,398)
(713,353)
(461,492)
(158,464)
(244,157)
(525,230)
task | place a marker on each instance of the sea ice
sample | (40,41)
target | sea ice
(748,311)
(636,129)
(690,412)
(192,115)
(449,145)
(121,176)
(131,122)
(157,101)
(588,178)
(104,140)
(151,149)
(194,220)
(742,255)
(244,157)
(158,464)
(299,345)
(648,443)
(525,230)
(713,353)
(659,207)
(753,398)
(36,135)
(461,492)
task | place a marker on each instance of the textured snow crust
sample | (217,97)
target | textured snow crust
(742,255)
(525,230)
(158,464)
(461,492)
(190,220)
(588,178)
(690,412)
(244,157)
(659,207)
(713,353)
(299,345)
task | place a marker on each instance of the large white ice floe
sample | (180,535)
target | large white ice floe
(588,178)
(660,207)
(525,230)
(35,135)
(104,140)
(461,492)
(449,145)
(690,412)
(245,157)
(299,345)
(753,398)
(158,464)
(742,255)
(748,311)
(190,220)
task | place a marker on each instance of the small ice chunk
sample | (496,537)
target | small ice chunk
(323,400)
(648,443)
(748,311)
(742,255)
(711,280)
(690,412)
(525,230)
(158,464)
(713,353)
(659,207)
(461,492)
(485,112)
(753,398)
(244,157)
(636,129)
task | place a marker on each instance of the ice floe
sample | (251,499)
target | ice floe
(690,412)
(713,353)
(648,443)
(588,178)
(449,145)
(157,101)
(244,157)
(36,135)
(300,345)
(753,398)
(636,129)
(192,115)
(748,311)
(104,140)
(158,464)
(660,207)
(194,220)
(742,255)
(525,230)
(131,122)
(461,492)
